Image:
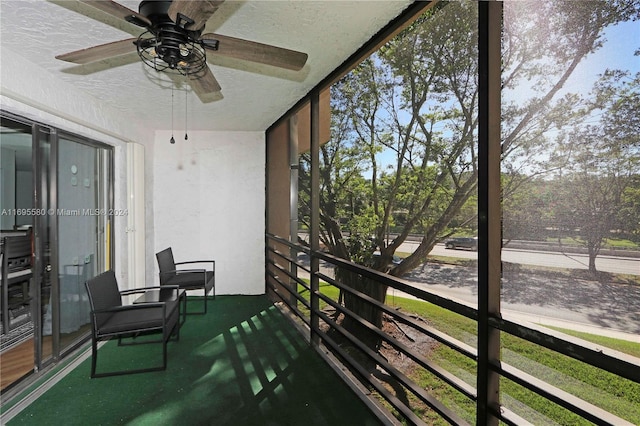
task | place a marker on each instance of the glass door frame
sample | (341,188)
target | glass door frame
(45,136)
(106,193)
(43,178)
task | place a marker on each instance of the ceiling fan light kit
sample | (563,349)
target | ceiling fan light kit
(186,58)
(169,46)
(173,42)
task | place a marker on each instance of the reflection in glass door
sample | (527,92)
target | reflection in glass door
(17,273)
(82,229)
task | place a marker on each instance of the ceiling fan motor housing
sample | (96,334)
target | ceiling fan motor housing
(174,44)
(154,7)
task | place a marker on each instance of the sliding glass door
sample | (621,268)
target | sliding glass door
(73,243)
(55,198)
(82,231)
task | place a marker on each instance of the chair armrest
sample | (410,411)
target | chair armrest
(213,262)
(182,271)
(178,271)
(145,289)
(187,271)
(130,307)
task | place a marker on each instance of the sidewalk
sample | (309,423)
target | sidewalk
(570,325)
(515,316)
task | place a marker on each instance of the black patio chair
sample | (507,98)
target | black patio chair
(110,318)
(187,279)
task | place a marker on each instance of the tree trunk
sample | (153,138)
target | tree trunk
(592,260)
(593,247)
(592,265)
(362,308)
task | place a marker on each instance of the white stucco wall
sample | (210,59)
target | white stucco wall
(204,197)
(208,201)
(33,93)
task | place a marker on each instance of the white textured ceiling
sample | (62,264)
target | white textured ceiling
(253,96)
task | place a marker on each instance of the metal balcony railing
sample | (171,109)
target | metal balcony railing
(289,281)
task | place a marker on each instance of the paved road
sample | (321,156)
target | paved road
(609,309)
(618,265)
(599,308)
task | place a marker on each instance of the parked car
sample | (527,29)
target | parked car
(395,260)
(462,242)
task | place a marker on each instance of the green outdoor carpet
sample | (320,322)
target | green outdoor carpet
(241,364)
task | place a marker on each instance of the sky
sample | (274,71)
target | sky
(622,41)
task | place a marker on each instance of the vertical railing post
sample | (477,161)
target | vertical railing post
(315,213)
(293,201)
(489,209)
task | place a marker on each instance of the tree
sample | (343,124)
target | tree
(528,211)
(602,162)
(417,100)
(630,210)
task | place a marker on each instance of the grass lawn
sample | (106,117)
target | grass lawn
(605,390)
(627,347)
(607,243)
(608,391)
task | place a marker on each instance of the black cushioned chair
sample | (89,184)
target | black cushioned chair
(187,279)
(110,318)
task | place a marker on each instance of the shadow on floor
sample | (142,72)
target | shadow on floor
(241,364)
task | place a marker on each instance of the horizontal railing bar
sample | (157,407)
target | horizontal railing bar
(422,394)
(571,402)
(286,242)
(454,381)
(291,275)
(444,375)
(401,285)
(365,374)
(292,308)
(601,358)
(302,326)
(387,280)
(458,346)
(628,367)
(454,344)
(288,259)
(301,299)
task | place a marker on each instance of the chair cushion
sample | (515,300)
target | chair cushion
(192,280)
(138,320)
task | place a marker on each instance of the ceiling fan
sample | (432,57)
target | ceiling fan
(173,41)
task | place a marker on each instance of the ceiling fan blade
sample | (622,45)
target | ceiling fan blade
(257,52)
(199,11)
(119,11)
(97,53)
(204,83)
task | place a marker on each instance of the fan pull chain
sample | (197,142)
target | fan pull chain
(186,137)
(172,140)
